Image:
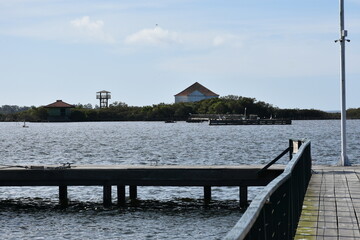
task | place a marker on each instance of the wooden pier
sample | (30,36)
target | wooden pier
(217,122)
(134,176)
(235,119)
(331,208)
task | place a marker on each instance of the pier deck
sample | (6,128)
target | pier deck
(140,175)
(129,175)
(331,208)
(221,122)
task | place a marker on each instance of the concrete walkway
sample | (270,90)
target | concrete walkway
(331,208)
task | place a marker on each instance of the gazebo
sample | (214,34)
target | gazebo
(59,111)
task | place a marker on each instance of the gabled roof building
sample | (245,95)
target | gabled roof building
(194,93)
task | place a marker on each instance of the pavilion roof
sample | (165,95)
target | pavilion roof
(59,104)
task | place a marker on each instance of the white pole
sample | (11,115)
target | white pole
(344,161)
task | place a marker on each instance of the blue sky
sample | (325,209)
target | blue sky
(145,52)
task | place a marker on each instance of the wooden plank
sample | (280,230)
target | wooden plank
(307,227)
(327,225)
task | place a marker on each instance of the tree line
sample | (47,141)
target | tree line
(119,111)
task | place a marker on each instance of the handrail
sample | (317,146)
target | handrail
(274,161)
(293,196)
(293,148)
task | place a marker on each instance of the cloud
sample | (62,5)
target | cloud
(283,58)
(227,39)
(86,23)
(155,36)
(88,29)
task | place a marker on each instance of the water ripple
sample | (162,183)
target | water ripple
(161,213)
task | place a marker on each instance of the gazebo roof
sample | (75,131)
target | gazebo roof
(59,104)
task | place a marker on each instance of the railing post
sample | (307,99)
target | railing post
(291,148)
(258,231)
(268,223)
(288,202)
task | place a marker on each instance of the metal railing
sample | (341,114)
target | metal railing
(275,212)
(103,96)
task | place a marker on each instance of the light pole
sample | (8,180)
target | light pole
(344,161)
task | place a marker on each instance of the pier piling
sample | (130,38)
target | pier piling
(133,192)
(63,198)
(121,195)
(207,194)
(243,192)
(107,196)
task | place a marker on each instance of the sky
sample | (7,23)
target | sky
(144,52)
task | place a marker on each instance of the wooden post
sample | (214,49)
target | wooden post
(133,192)
(121,195)
(63,198)
(243,196)
(107,196)
(207,194)
(291,150)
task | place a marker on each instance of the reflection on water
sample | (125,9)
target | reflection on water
(162,212)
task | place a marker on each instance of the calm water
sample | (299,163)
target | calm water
(162,213)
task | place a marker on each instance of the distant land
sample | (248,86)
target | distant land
(333,111)
(119,111)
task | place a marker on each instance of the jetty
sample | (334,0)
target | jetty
(121,176)
(298,201)
(235,119)
(131,176)
(281,183)
(217,122)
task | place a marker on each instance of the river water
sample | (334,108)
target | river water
(161,213)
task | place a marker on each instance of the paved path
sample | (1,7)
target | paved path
(331,208)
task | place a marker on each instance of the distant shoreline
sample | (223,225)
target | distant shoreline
(119,111)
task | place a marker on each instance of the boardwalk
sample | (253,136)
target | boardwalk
(331,208)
